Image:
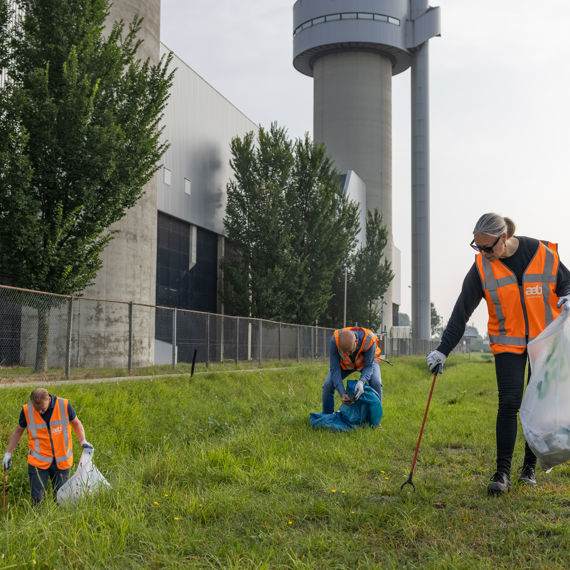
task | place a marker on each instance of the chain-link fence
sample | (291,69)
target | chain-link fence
(408,346)
(54,331)
(44,330)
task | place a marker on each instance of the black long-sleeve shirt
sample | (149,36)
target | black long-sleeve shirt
(472,291)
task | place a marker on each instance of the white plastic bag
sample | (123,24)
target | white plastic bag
(545,409)
(86,479)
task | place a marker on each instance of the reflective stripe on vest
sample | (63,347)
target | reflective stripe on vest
(346,363)
(60,440)
(529,308)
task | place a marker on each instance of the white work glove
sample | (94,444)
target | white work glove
(563,302)
(434,359)
(7,461)
(87,446)
(358,390)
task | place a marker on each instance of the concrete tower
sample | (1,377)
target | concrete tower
(352,48)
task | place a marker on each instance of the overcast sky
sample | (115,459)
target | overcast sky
(500,114)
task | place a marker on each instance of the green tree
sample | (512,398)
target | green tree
(289,222)
(79,139)
(254,222)
(371,276)
(435,321)
(323,225)
(368,276)
(4,13)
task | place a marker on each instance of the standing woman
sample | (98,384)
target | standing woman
(525,285)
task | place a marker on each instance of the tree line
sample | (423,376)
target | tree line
(294,237)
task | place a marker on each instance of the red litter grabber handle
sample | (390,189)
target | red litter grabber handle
(438,370)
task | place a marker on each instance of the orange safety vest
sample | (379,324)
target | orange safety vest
(346,363)
(519,314)
(44,443)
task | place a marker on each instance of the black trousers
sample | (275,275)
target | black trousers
(39,479)
(510,369)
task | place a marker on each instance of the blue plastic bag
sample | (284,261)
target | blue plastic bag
(367,410)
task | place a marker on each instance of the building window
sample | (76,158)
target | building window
(346,16)
(167,176)
(187,186)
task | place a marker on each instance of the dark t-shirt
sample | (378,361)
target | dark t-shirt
(47,416)
(472,291)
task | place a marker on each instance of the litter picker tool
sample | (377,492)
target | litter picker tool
(4,498)
(409,481)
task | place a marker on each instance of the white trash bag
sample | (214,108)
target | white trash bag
(86,480)
(545,409)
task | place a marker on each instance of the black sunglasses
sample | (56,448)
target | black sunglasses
(484,248)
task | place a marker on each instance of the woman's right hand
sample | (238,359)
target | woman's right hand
(434,359)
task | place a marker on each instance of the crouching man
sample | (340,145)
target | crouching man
(352,349)
(48,420)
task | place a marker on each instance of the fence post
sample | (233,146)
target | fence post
(298,343)
(316,341)
(174,339)
(208,340)
(312,343)
(248,340)
(237,339)
(279,344)
(130,357)
(68,344)
(222,338)
(260,340)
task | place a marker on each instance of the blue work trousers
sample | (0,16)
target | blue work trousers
(39,479)
(375,382)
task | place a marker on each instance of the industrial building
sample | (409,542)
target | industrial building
(167,248)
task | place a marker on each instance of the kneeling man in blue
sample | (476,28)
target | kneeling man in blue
(352,349)
(367,410)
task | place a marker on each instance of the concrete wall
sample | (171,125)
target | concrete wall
(353,117)
(129,262)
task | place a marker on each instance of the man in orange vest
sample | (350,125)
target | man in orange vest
(48,420)
(352,349)
(525,286)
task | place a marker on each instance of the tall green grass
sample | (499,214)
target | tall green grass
(224,471)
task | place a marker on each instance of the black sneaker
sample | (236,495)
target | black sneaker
(500,483)
(527,476)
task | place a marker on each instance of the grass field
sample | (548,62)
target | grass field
(13,374)
(224,471)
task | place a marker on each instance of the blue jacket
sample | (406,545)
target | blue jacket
(367,410)
(338,374)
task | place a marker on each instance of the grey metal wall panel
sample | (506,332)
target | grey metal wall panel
(199,124)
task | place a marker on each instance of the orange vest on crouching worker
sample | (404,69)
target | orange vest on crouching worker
(44,442)
(346,363)
(519,314)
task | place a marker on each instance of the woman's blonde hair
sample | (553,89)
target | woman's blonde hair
(492,224)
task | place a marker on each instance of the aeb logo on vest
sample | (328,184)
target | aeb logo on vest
(56,430)
(534,291)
